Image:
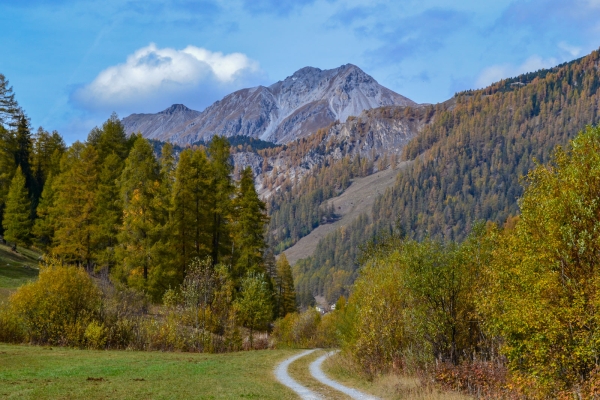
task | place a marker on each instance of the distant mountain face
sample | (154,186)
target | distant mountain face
(285,111)
(153,126)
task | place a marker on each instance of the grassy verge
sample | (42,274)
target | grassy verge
(389,386)
(16,269)
(30,372)
(300,372)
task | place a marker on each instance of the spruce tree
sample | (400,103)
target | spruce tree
(285,293)
(7,167)
(222,188)
(144,218)
(43,229)
(17,221)
(249,225)
(9,108)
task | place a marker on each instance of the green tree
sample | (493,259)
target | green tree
(284,287)
(7,166)
(44,225)
(223,189)
(75,207)
(17,221)
(254,305)
(248,226)
(191,207)
(144,216)
(9,108)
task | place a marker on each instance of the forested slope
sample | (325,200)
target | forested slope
(468,164)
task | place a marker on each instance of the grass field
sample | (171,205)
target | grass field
(16,269)
(30,372)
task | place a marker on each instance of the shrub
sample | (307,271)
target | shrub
(59,306)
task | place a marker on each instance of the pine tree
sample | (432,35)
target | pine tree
(7,167)
(222,188)
(47,151)
(17,221)
(249,225)
(285,292)
(44,226)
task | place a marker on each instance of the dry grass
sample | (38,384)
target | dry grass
(389,386)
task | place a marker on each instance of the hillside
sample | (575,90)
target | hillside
(298,106)
(468,165)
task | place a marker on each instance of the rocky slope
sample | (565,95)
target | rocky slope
(373,135)
(290,109)
(152,126)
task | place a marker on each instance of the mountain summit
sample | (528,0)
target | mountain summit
(287,110)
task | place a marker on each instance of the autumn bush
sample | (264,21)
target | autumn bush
(58,307)
(298,330)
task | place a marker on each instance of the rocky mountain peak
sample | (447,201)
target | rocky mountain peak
(309,99)
(175,108)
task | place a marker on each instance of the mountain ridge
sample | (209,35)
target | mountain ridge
(293,108)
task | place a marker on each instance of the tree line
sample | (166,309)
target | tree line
(110,206)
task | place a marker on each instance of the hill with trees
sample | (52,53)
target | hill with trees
(466,165)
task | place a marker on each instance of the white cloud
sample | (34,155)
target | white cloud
(153,77)
(572,50)
(496,73)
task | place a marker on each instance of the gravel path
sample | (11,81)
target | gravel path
(283,377)
(318,374)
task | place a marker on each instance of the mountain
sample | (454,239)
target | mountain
(287,110)
(465,166)
(153,126)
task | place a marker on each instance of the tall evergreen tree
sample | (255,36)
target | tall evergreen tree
(285,293)
(144,217)
(17,221)
(44,225)
(48,148)
(222,188)
(23,150)
(9,108)
(7,167)
(249,226)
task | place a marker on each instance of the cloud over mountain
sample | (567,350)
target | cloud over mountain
(152,77)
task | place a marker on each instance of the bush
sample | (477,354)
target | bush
(58,307)
(297,330)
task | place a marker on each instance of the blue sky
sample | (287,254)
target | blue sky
(73,62)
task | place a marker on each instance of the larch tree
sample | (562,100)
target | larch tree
(191,207)
(75,207)
(17,221)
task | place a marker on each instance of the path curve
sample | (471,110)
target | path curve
(283,377)
(318,374)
